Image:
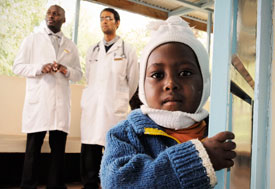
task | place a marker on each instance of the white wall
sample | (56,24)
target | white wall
(12,93)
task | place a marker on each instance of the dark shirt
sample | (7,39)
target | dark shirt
(108,47)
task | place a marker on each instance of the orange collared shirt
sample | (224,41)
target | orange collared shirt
(196,131)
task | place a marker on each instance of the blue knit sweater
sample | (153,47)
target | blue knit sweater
(139,154)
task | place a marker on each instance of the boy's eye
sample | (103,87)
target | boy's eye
(157,75)
(185,73)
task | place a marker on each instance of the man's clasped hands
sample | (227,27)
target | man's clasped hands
(54,67)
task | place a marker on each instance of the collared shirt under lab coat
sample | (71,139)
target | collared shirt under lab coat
(112,80)
(47,99)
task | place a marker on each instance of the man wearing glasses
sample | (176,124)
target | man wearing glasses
(112,79)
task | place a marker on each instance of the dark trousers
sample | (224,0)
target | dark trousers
(90,159)
(57,141)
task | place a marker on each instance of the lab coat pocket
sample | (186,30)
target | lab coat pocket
(120,67)
(121,104)
(84,98)
(32,95)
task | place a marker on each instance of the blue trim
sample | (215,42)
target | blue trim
(209,28)
(149,5)
(231,101)
(221,66)
(230,112)
(228,172)
(76,22)
(228,175)
(194,6)
(270,141)
(260,170)
(219,105)
(184,11)
(234,35)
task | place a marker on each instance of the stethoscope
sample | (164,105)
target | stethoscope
(122,54)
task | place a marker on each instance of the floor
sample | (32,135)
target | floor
(69,186)
(17,144)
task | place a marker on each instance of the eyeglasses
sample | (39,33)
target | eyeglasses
(108,18)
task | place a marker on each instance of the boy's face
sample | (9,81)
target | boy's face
(173,79)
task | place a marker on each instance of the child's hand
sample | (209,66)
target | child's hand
(220,150)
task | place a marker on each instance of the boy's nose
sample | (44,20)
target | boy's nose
(171,85)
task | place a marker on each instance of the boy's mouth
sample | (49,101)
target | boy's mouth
(171,101)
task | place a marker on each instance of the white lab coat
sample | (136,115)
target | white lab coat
(47,99)
(111,82)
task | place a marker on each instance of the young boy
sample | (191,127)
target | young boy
(164,144)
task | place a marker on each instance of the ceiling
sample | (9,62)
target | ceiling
(196,12)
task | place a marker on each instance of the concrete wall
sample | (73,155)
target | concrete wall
(11,105)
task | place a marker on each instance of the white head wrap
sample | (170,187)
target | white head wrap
(175,29)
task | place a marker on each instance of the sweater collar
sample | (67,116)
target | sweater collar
(174,119)
(140,122)
(143,124)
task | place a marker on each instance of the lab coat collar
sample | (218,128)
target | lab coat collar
(60,34)
(115,46)
(49,32)
(111,42)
